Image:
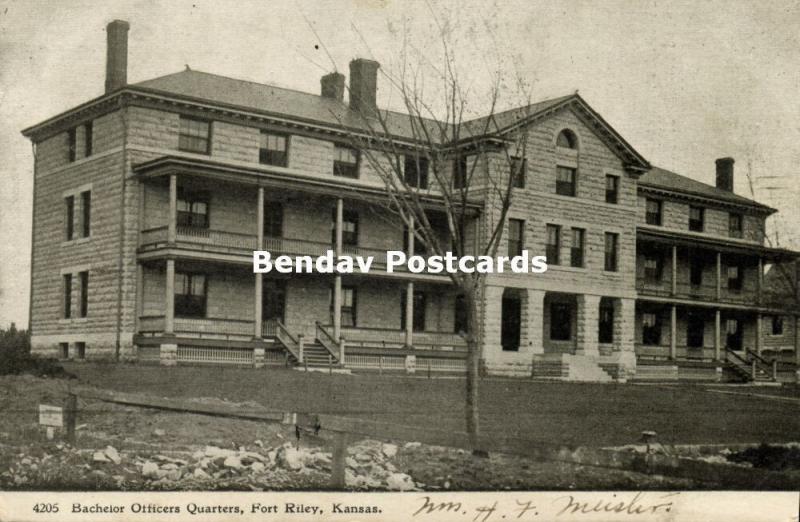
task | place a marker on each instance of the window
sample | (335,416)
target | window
(696,219)
(567,139)
(565,181)
(69,203)
(72,144)
(653,212)
(190,295)
(510,320)
(273,219)
(553,246)
(67,294)
(348,310)
(418,318)
(272,149)
(735,225)
(419,245)
(83,280)
(734,278)
(460,315)
(651,329)
(776,325)
(519,170)
(612,189)
(605,328)
(576,248)
(63,348)
(611,252)
(194,135)
(695,327)
(415,172)
(516,237)
(86,213)
(192,209)
(88,131)
(345,161)
(560,322)
(460,173)
(80,350)
(349,228)
(653,269)
(696,271)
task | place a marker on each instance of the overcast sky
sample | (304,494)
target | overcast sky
(683,82)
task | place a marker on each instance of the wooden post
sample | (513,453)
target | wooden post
(674,279)
(330,364)
(760,280)
(70,414)
(300,346)
(337,283)
(775,369)
(169,298)
(259,282)
(717,334)
(409,326)
(759,333)
(342,350)
(719,276)
(429,369)
(753,369)
(173,209)
(673,332)
(338,464)
(380,365)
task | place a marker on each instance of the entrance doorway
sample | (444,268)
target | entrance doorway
(511,320)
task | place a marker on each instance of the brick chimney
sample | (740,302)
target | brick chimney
(116,55)
(333,86)
(363,85)
(725,174)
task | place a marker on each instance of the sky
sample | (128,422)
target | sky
(683,82)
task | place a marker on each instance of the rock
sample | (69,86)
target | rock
(291,458)
(412,445)
(257,466)
(150,469)
(112,454)
(399,482)
(232,462)
(363,457)
(25,462)
(259,443)
(169,466)
(99,456)
(174,475)
(200,474)
(351,462)
(159,432)
(390,450)
(215,452)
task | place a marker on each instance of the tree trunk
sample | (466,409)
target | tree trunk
(473,373)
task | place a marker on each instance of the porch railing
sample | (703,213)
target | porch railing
(217,238)
(198,327)
(288,341)
(328,342)
(391,338)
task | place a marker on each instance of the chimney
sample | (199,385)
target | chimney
(363,85)
(116,55)
(333,86)
(725,174)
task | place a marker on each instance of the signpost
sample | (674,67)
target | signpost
(52,417)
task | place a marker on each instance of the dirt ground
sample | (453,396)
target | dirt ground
(131,448)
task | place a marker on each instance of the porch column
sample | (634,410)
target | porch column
(535,320)
(624,324)
(169,299)
(759,320)
(173,208)
(259,282)
(673,332)
(674,279)
(760,280)
(719,276)
(337,282)
(797,339)
(139,293)
(588,322)
(409,326)
(717,334)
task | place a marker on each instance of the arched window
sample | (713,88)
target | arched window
(567,139)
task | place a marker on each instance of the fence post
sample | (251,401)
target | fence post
(429,369)
(380,365)
(775,369)
(753,369)
(71,412)
(341,350)
(330,364)
(339,455)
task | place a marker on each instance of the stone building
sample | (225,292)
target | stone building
(149,202)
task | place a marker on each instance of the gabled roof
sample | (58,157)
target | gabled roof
(661,179)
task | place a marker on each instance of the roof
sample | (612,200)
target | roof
(663,179)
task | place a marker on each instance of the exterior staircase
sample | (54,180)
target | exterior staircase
(751,368)
(585,369)
(322,352)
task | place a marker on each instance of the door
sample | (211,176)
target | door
(273,299)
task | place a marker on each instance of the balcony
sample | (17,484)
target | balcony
(703,292)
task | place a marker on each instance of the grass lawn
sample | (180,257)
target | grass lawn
(563,413)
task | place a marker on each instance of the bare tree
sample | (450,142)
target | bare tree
(434,161)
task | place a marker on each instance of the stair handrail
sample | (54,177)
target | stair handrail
(288,341)
(744,362)
(757,357)
(327,341)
